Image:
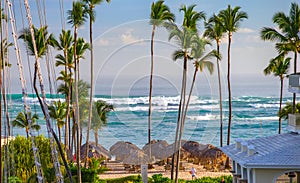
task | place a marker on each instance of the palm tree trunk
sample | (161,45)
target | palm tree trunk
(77,117)
(280,103)
(182,116)
(220,95)
(150,89)
(96,137)
(91,93)
(69,116)
(67,126)
(180,108)
(229,90)
(295,71)
(59,134)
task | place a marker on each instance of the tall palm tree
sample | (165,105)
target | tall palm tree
(230,20)
(64,43)
(215,31)
(100,110)
(21,121)
(279,67)
(90,5)
(77,17)
(160,13)
(184,38)
(202,61)
(287,37)
(191,17)
(58,111)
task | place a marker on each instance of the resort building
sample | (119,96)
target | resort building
(269,159)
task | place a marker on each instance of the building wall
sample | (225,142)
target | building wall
(268,175)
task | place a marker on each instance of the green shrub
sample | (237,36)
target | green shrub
(20,155)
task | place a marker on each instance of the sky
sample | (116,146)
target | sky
(122,39)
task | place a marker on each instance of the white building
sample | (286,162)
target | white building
(264,160)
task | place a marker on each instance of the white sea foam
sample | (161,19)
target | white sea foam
(266,118)
(205,117)
(273,105)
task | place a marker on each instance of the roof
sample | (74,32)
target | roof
(278,151)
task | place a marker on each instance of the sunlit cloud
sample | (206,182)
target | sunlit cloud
(102,42)
(245,30)
(128,37)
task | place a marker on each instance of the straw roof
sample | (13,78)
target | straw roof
(122,150)
(158,149)
(138,157)
(95,151)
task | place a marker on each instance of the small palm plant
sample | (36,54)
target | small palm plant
(21,121)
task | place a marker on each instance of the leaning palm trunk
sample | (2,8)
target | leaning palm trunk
(91,93)
(44,107)
(229,89)
(67,121)
(181,122)
(220,96)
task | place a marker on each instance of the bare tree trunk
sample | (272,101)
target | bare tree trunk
(77,116)
(295,71)
(280,103)
(91,93)
(220,96)
(96,137)
(229,90)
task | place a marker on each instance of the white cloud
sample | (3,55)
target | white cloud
(102,42)
(128,37)
(245,30)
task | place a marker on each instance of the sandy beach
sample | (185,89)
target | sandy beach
(183,174)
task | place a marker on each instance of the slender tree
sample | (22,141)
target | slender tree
(77,17)
(230,20)
(90,5)
(100,110)
(64,44)
(215,31)
(279,67)
(160,13)
(287,37)
(22,122)
(58,111)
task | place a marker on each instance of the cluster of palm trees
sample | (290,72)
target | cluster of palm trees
(192,47)
(287,40)
(76,108)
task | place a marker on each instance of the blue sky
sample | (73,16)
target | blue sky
(122,33)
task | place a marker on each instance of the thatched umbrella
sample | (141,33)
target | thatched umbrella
(122,150)
(138,157)
(95,151)
(158,149)
(196,149)
(184,154)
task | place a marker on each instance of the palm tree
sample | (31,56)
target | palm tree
(287,37)
(58,111)
(99,118)
(90,4)
(64,44)
(76,17)
(191,17)
(230,20)
(202,61)
(160,13)
(288,109)
(279,67)
(81,47)
(21,121)
(184,38)
(215,31)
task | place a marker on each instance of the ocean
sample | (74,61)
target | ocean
(255,105)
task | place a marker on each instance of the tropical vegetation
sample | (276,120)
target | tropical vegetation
(79,110)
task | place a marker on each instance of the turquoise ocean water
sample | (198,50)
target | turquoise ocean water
(255,106)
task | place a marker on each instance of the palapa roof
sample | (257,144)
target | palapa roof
(278,151)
